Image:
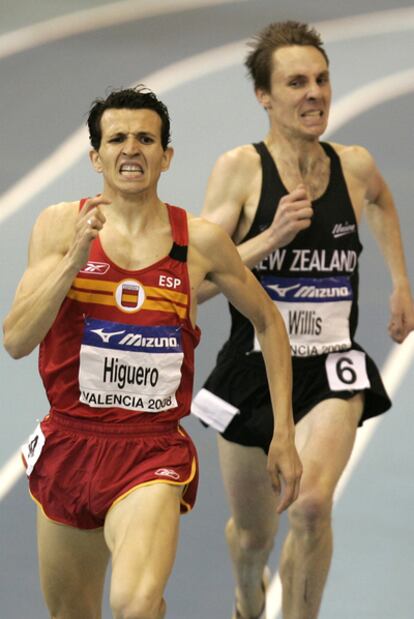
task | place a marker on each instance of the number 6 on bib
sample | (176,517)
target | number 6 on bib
(347,371)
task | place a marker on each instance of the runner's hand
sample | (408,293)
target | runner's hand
(402,314)
(89,223)
(294,213)
(285,470)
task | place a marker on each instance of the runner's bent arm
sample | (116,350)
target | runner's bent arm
(59,247)
(227,192)
(241,288)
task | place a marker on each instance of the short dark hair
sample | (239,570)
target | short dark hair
(136,98)
(271,38)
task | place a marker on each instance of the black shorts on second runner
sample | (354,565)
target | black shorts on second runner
(240,380)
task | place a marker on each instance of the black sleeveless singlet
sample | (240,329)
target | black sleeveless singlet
(314,279)
(314,282)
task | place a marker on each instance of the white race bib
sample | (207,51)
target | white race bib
(32,449)
(315,312)
(214,411)
(347,371)
(132,367)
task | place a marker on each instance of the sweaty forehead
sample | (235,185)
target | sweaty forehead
(297,60)
(135,121)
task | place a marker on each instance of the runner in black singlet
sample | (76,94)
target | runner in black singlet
(292,204)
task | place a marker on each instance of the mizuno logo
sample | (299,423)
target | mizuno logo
(310,291)
(342,230)
(98,268)
(283,290)
(323,293)
(105,337)
(137,339)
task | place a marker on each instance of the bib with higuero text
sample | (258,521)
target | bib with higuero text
(131,367)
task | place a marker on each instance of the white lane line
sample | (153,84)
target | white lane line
(367,24)
(88,20)
(77,145)
(42,175)
(370,95)
(206,63)
(71,150)
(393,373)
(96,18)
(10,473)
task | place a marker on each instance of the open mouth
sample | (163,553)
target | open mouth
(312,114)
(131,169)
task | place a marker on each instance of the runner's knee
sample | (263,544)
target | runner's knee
(311,512)
(250,539)
(73,609)
(136,605)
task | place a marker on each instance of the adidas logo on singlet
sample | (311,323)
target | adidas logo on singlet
(342,230)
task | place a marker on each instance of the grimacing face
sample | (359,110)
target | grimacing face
(300,94)
(130,157)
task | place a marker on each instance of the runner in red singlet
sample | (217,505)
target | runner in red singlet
(110,295)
